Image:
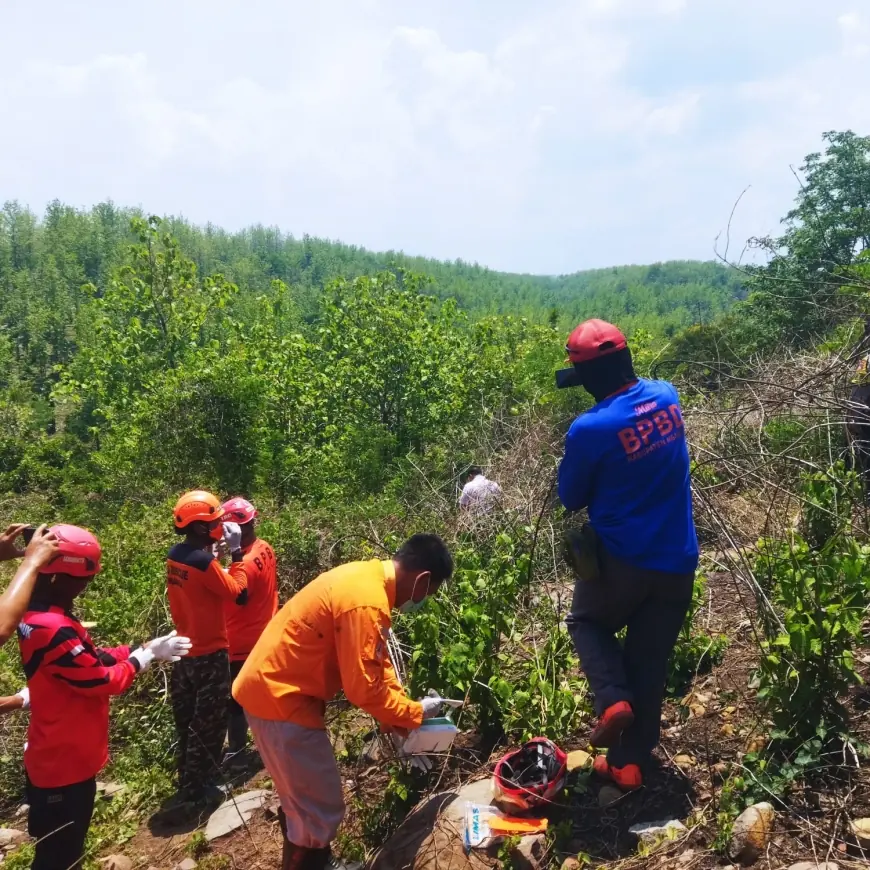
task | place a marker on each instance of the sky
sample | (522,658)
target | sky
(542,137)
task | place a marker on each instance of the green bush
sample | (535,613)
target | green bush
(817,589)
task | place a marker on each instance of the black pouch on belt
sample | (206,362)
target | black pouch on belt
(581,552)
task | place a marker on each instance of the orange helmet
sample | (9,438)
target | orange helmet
(199,506)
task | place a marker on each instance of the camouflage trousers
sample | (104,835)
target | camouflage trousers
(200,691)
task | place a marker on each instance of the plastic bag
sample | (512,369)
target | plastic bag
(485,826)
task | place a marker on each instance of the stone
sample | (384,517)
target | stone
(687,856)
(234,813)
(117,862)
(186,864)
(652,833)
(432,837)
(529,853)
(608,795)
(22,811)
(571,864)
(11,837)
(684,762)
(752,832)
(860,829)
(811,865)
(477,792)
(578,759)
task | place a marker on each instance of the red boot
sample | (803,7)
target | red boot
(612,722)
(628,778)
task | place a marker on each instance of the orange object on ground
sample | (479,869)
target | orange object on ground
(628,778)
(612,722)
(513,825)
(197,588)
(330,635)
(245,623)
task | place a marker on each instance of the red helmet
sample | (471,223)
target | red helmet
(239,510)
(593,339)
(80,553)
(531,775)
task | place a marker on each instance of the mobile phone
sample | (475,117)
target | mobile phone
(27,534)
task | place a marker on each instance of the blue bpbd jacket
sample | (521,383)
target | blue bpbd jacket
(626,460)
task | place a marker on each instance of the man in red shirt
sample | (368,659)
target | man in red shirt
(69,682)
(245,624)
(198,588)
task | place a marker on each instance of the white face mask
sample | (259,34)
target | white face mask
(411,606)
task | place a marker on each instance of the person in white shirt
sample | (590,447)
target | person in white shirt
(479,494)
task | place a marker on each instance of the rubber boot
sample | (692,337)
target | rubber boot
(237,733)
(293,857)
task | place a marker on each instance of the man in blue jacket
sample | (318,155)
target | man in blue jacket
(626,461)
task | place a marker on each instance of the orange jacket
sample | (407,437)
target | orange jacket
(245,623)
(327,637)
(197,587)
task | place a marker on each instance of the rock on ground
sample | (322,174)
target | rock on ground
(11,837)
(431,837)
(650,833)
(861,831)
(578,759)
(117,862)
(234,812)
(186,864)
(811,865)
(529,853)
(752,832)
(609,795)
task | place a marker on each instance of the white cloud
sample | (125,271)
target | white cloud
(546,137)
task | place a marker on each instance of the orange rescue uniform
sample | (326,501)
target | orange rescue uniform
(198,587)
(331,635)
(245,623)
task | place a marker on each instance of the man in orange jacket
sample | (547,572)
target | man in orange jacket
(198,589)
(332,635)
(245,624)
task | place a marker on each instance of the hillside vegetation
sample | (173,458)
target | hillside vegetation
(343,391)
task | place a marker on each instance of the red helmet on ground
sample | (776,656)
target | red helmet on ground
(199,506)
(239,510)
(593,339)
(80,553)
(530,776)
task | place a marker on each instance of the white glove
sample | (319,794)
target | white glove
(422,762)
(170,647)
(143,657)
(24,694)
(431,705)
(233,536)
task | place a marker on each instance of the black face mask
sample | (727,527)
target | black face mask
(601,377)
(567,378)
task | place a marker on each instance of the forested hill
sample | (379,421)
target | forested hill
(49,258)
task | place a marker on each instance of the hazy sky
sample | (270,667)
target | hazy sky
(537,136)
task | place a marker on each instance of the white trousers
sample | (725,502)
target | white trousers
(302,766)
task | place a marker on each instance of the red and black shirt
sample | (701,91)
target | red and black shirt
(70,682)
